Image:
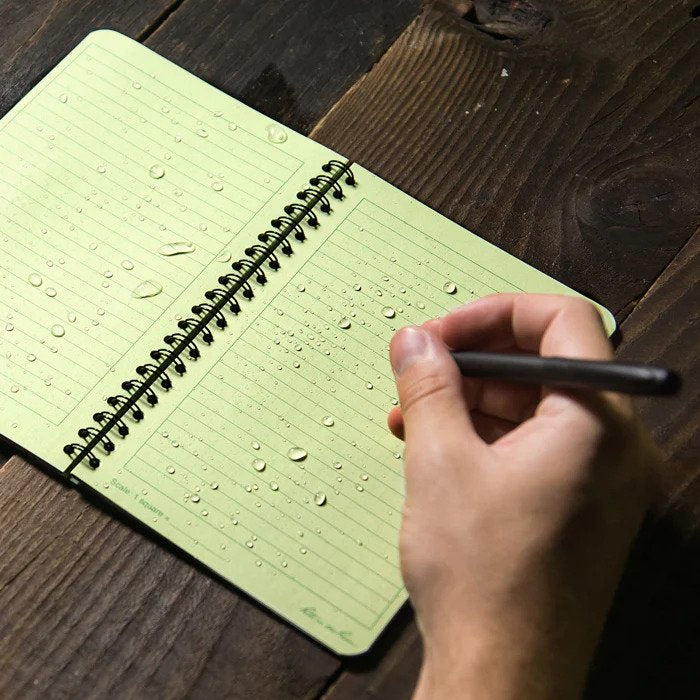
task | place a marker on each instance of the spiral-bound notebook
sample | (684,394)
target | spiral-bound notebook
(196,306)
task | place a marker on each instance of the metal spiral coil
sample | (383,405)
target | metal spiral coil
(195,330)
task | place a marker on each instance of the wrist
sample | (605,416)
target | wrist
(490,664)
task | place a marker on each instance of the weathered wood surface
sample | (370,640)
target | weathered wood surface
(91,608)
(579,160)
(570,148)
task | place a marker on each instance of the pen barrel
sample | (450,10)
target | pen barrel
(569,373)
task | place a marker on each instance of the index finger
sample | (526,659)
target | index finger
(546,324)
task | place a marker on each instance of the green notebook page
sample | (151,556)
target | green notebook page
(114,154)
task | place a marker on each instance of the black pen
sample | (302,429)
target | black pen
(567,373)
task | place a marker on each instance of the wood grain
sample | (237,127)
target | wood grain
(571,148)
(89,607)
(290,60)
(38,34)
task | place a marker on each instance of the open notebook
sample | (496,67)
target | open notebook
(130,190)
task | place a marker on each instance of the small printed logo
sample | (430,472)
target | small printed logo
(345,635)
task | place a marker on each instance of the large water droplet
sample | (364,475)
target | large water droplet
(58,330)
(224,256)
(255,445)
(389,312)
(357,287)
(127,264)
(63,98)
(258,464)
(449,287)
(320,498)
(203,133)
(274,486)
(9,327)
(35,279)
(176,248)
(369,385)
(147,288)
(50,292)
(301,288)
(297,454)
(217,186)
(31,357)
(156,172)
(328,421)
(14,388)
(337,465)
(101,169)
(171,470)
(276,134)
(136,85)
(344,323)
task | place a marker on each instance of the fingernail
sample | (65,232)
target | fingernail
(409,346)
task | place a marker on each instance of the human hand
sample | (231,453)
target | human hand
(521,502)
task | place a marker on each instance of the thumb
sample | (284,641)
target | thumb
(430,388)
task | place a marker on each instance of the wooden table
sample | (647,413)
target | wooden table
(566,133)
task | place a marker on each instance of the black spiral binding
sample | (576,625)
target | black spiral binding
(196,329)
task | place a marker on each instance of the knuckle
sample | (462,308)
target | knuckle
(432,385)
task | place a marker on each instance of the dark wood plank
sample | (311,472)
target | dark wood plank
(38,34)
(652,640)
(570,147)
(290,60)
(91,608)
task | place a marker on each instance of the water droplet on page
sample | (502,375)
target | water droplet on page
(195,498)
(156,172)
(147,288)
(357,287)
(224,256)
(63,98)
(217,186)
(337,465)
(31,357)
(274,486)
(275,133)
(9,327)
(258,464)
(328,421)
(364,477)
(301,288)
(320,498)
(58,330)
(202,132)
(249,544)
(255,445)
(232,126)
(14,388)
(127,264)
(136,86)
(388,312)
(171,470)
(176,248)
(344,323)
(297,454)
(50,292)
(35,279)
(369,385)
(101,169)
(449,287)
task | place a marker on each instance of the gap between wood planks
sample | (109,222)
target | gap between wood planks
(159,21)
